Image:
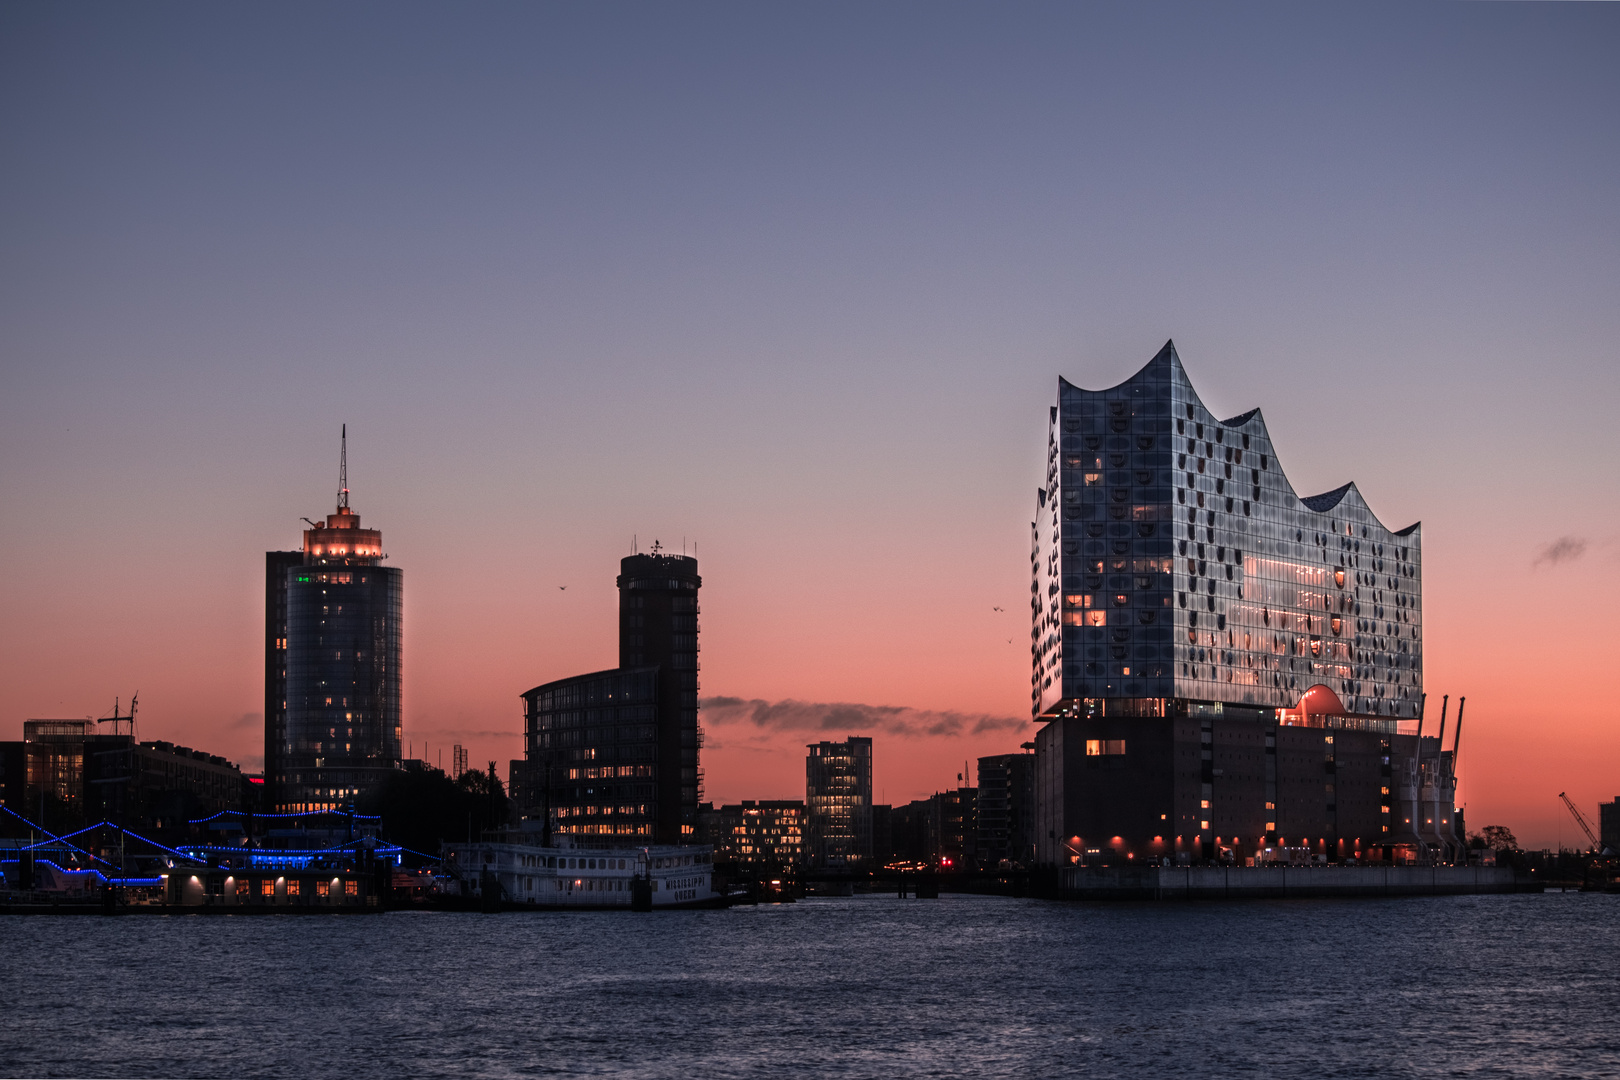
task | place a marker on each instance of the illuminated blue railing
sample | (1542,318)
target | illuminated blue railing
(342,814)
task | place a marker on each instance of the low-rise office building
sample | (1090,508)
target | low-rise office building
(766,835)
(82,775)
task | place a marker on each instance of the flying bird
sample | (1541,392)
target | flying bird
(562,586)
(995,609)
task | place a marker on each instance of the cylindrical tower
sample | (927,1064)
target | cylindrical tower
(341,731)
(658,627)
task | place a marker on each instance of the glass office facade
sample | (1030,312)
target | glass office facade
(333,647)
(592,765)
(838,803)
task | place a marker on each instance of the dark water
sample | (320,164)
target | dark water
(872,986)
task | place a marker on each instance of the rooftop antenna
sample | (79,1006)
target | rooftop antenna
(343,471)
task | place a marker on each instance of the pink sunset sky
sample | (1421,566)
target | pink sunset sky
(794,286)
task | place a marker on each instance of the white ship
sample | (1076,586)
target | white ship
(514,873)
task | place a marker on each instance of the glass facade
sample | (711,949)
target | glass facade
(592,742)
(1171,560)
(332,653)
(343,720)
(838,803)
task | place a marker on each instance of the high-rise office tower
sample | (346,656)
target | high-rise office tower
(615,753)
(332,663)
(1223,666)
(838,803)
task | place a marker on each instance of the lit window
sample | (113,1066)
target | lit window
(1094,748)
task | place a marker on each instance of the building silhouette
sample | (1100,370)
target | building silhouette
(615,753)
(838,804)
(1225,670)
(74,774)
(1005,810)
(332,663)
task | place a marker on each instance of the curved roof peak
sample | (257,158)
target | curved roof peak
(1241,418)
(1349,493)
(1328,499)
(1165,356)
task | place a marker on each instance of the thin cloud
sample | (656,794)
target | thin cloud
(1562,550)
(248,719)
(816,717)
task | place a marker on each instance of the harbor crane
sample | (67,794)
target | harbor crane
(1581,821)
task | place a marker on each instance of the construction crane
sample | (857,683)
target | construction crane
(1579,820)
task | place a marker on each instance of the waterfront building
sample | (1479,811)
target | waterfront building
(332,663)
(954,828)
(766,835)
(614,753)
(882,834)
(1223,669)
(911,832)
(940,830)
(838,804)
(82,775)
(1609,824)
(1005,810)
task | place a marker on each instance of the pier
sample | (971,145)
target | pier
(1269,882)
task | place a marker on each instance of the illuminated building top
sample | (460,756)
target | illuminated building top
(341,540)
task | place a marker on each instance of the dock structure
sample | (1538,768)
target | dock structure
(1273,882)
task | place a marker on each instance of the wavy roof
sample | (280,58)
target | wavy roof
(1166,364)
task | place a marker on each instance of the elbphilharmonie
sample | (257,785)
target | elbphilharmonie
(1225,670)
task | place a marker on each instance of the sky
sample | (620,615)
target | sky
(790,285)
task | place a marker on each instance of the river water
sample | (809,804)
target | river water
(1525,985)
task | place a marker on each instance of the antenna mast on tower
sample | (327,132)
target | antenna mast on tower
(343,470)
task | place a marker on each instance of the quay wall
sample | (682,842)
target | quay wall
(1268,882)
